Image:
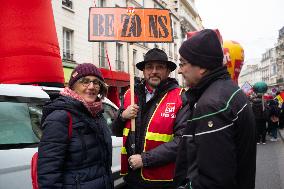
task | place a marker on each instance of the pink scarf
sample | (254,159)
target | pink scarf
(93,108)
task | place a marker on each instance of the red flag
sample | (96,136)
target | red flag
(108,62)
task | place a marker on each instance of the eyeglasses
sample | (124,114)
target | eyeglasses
(182,63)
(158,67)
(86,82)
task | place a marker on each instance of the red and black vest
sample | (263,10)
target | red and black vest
(159,131)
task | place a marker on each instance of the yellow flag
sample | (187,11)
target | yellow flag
(279,99)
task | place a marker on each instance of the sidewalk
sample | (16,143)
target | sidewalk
(281,133)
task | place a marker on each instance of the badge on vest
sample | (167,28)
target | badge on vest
(210,124)
(169,111)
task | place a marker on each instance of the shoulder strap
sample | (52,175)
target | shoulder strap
(70,125)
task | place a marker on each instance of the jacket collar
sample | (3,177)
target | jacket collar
(165,86)
(194,93)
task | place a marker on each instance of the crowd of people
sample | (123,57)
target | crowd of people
(269,116)
(199,138)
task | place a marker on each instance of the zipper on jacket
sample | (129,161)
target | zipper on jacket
(77,182)
(84,147)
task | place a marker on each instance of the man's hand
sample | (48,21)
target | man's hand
(135,161)
(130,112)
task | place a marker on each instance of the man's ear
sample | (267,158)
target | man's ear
(168,71)
(204,71)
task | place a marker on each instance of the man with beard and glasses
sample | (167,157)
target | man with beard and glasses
(160,118)
(218,147)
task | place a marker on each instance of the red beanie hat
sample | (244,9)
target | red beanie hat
(83,70)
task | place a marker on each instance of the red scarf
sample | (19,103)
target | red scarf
(149,89)
(93,108)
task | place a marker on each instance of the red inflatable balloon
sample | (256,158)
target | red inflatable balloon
(234,56)
(192,33)
(29,50)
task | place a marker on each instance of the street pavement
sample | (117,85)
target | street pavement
(270,164)
(281,133)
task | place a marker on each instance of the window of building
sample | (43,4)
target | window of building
(67,3)
(119,57)
(67,44)
(274,69)
(136,71)
(156,5)
(141,2)
(102,55)
(170,50)
(175,51)
(101,3)
(175,29)
(163,47)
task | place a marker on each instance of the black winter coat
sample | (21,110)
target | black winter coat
(274,109)
(218,147)
(260,110)
(162,154)
(82,161)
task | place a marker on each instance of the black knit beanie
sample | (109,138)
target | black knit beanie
(203,49)
(83,70)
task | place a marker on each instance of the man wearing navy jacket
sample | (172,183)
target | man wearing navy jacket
(218,147)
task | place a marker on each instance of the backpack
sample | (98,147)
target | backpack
(259,112)
(35,156)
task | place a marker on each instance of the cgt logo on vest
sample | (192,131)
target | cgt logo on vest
(169,111)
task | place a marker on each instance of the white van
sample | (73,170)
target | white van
(20,115)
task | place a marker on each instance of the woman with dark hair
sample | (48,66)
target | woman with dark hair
(273,121)
(82,160)
(260,114)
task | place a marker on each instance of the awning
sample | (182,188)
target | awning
(67,74)
(116,78)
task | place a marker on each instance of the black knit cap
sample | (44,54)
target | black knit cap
(82,70)
(203,49)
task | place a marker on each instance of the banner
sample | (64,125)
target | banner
(130,25)
(246,87)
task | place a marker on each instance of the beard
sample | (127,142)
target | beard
(154,81)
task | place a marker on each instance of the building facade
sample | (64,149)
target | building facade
(268,67)
(250,74)
(266,70)
(113,58)
(280,59)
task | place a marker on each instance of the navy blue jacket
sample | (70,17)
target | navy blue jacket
(218,147)
(82,161)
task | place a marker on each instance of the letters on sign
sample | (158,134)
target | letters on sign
(142,25)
